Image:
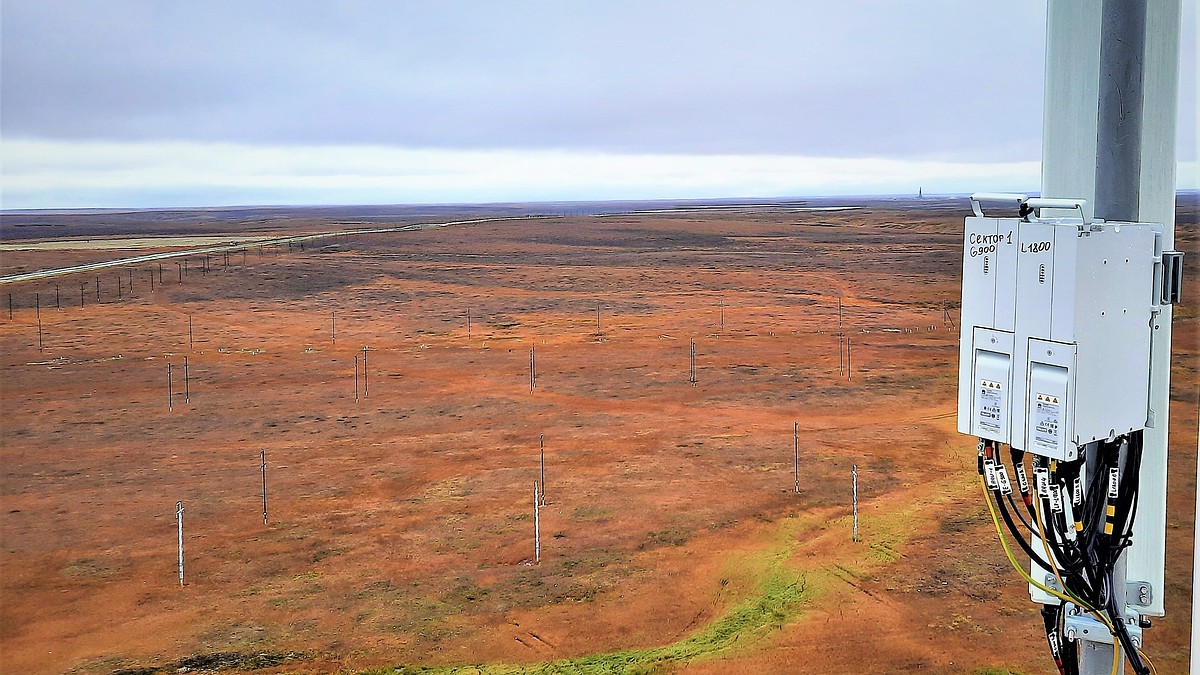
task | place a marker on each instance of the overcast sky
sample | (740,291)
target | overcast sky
(210,103)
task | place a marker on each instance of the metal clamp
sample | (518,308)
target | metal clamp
(1081,205)
(1005,197)
(1139,593)
(1172,277)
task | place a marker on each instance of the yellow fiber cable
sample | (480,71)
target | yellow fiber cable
(1149,663)
(1008,551)
(1042,524)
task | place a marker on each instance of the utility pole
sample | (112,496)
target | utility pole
(1109,132)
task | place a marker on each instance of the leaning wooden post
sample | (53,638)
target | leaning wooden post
(179,518)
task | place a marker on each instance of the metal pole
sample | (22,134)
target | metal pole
(97,289)
(189,332)
(152,277)
(1117,192)
(542,450)
(170,392)
(263,454)
(356,378)
(854,496)
(82,290)
(10,306)
(130,270)
(334,318)
(796,452)
(179,518)
(849,369)
(365,394)
(597,319)
(187,387)
(57,298)
(722,314)
(532,353)
(468,323)
(119,293)
(1119,122)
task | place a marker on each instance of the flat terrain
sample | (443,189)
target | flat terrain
(400,525)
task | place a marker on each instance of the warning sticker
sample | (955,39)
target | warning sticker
(1047,421)
(987,411)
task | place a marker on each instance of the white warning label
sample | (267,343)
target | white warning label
(1047,422)
(987,411)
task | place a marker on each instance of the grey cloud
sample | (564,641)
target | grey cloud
(937,79)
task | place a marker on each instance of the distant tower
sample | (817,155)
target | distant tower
(920,193)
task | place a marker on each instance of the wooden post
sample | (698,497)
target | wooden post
(692,361)
(335,328)
(170,393)
(181,266)
(849,369)
(537,527)
(841,355)
(179,518)
(130,270)
(468,323)
(57,298)
(187,387)
(10,306)
(365,378)
(82,290)
(542,452)
(356,378)
(263,454)
(722,315)
(796,452)
(597,318)
(532,362)
(37,303)
(160,274)
(119,294)
(152,278)
(190,332)
(97,288)
(854,497)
